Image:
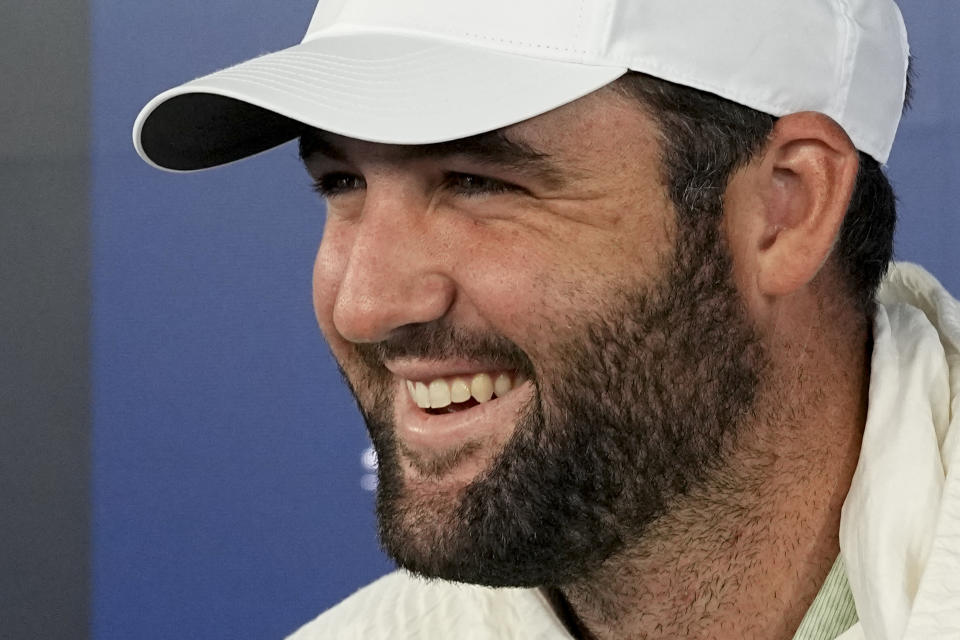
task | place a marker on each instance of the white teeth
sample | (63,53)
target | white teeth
(443,392)
(439,394)
(481,388)
(502,385)
(422,396)
(459,390)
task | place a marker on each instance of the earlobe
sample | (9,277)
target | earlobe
(806,180)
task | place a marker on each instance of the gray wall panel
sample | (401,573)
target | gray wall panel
(44,320)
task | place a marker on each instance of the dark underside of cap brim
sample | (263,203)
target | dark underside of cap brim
(202,130)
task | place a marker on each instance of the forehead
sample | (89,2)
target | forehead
(495,145)
(565,138)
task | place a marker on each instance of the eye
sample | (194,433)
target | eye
(470,185)
(331,185)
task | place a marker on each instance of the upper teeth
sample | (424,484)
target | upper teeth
(442,392)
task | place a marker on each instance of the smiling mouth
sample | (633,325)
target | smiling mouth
(466,416)
(441,396)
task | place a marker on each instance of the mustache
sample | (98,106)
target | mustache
(440,340)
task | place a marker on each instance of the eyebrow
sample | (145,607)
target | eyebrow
(492,148)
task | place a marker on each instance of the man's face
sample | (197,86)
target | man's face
(547,257)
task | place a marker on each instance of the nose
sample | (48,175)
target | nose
(393,275)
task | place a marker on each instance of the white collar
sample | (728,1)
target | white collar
(900,526)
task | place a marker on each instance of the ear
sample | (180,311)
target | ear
(801,189)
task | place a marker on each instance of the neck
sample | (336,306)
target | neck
(744,555)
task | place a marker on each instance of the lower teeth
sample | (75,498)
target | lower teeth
(453,407)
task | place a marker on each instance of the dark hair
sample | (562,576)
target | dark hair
(706,138)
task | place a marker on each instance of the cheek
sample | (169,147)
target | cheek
(517,290)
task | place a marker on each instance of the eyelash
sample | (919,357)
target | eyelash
(334,184)
(330,184)
(482,186)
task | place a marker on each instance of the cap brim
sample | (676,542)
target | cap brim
(375,87)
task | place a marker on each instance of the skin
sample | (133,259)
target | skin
(405,244)
(489,260)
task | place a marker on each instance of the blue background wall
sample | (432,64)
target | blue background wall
(228,480)
(227,458)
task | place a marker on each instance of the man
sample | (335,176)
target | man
(603,277)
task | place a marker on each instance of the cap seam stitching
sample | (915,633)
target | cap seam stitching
(848,58)
(478,36)
(608,29)
(579,33)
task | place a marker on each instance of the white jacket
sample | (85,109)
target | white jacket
(899,531)
(900,527)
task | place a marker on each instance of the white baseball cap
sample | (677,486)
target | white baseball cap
(425,71)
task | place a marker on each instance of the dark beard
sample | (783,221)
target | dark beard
(639,409)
